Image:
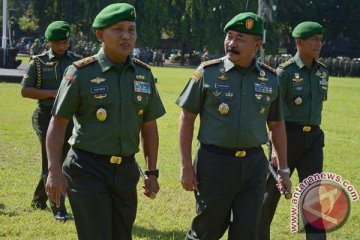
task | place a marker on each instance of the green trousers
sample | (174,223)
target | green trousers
(102,195)
(230,193)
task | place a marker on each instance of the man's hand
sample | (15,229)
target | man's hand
(151,186)
(188,178)
(284,182)
(55,187)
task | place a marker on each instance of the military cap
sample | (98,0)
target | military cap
(57,31)
(307,29)
(246,22)
(114,13)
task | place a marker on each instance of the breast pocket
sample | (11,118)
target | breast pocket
(263,102)
(102,109)
(141,101)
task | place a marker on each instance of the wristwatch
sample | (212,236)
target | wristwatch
(152,172)
(283,170)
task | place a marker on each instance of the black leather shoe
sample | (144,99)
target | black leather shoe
(61,216)
(38,205)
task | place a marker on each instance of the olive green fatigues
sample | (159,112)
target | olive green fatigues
(110,102)
(227,183)
(304,91)
(45,71)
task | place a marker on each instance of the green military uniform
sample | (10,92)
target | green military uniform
(36,47)
(304,91)
(45,72)
(110,102)
(234,105)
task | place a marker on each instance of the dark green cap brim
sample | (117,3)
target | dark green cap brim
(114,13)
(57,31)
(247,22)
(307,29)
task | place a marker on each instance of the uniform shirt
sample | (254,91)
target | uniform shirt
(252,96)
(51,70)
(109,103)
(304,90)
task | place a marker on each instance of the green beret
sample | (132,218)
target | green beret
(114,13)
(246,22)
(57,31)
(307,29)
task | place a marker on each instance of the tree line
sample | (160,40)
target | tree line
(192,24)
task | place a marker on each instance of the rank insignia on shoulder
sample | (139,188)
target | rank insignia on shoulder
(137,61)
(197,75)
(98,80)
(211,62)
(287,63)
(267,67)
(83,62)
(223,78)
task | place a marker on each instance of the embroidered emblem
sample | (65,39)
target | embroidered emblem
(223,78)
(98,80)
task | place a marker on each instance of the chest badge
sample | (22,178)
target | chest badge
(101,114)
(98,80)
(262,110)
(298,101)
(223,109)
(262,76)
(258,96)
(100,96)
(297,78)
(216,93)
(223,78)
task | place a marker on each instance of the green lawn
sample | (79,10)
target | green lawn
(170,214)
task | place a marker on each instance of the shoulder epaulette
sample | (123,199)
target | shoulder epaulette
(211,62)
(137,61)
(83,62)
(322,64)
(267,67)
(39,55)
(287,63)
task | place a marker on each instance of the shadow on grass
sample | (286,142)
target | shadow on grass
(154,234)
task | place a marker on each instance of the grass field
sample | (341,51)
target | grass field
(170,215)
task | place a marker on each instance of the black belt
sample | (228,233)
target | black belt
(302,128)
(109,158)
(233,152)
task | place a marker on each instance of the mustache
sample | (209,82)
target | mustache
(232,50)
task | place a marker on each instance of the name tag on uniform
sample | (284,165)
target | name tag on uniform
(222,86)
(142,87)
(100,89)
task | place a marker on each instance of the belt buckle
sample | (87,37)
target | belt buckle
(115,160)
(306,129)
(240,154)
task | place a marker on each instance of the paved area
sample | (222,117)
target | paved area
(12,75)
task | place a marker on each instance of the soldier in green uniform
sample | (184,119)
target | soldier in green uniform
(41,82)
(304,83)
(36,48)
(236,97)
(114,101)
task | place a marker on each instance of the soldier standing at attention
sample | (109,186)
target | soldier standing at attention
(304,83)
(113,99)
(236,97)
(41,82)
